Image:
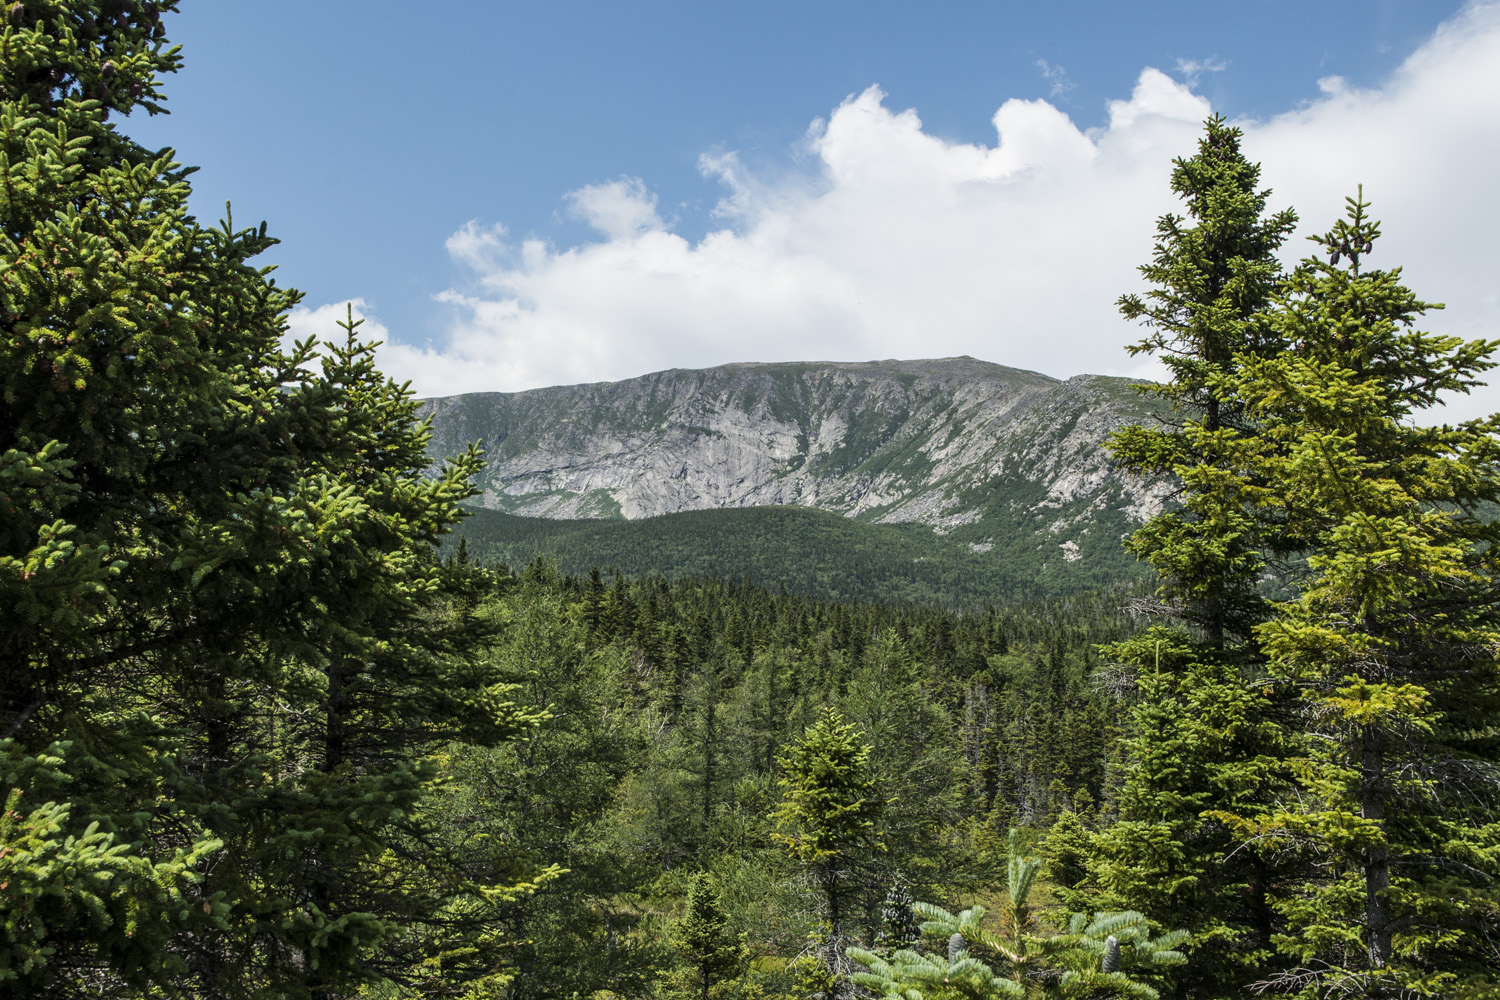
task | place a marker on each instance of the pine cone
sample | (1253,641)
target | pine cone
(17,13)
(1111,961)
(955,946)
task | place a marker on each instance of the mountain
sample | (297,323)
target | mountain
(999,469)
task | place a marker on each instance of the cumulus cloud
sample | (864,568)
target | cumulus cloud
(618,209)
(1424,148)
(903,244)
(322,323)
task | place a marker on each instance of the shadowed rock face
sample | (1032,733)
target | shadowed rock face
(944,442)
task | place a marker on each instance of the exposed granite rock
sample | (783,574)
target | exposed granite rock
(947,442)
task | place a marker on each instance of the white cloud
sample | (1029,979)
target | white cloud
(904,244)
(1424,147)
(1057,76)
(1192,70)
(322,323)
(619,209)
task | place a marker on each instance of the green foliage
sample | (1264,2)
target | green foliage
(828,819)
(1069,851)
(829,811)
(1203,743)
(1204,737)
(824,555)
(61,889)
(1103,955)
(228,650)
(544,798)
(669,702)
(1212,278)
(908,974)
(1311,784)
(1389,636)
(712,954)
(1211,281)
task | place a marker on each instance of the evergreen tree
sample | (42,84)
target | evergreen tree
(1204,738)
(1069,851)
(227,646)
(1211,281)
(1205,744)
(829,816)
(915,764)
(1390,637)
(713,955)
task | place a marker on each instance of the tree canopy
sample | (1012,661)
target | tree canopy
(260,737)
(227,646)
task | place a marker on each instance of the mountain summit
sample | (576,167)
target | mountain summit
(989,455)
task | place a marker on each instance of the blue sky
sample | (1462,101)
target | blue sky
(521,193)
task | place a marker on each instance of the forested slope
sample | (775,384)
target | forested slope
(671,703)
(812,553)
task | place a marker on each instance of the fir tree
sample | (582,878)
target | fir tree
(227,645)
(1203,737)
(1211,281)
(1204,743)
(1391,636)
(828,819)
(914,762)
(713,955)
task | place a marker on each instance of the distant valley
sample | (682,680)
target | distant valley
(953,481)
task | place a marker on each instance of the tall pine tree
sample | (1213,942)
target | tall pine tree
(1391,637)
(1203,738)
(227,646)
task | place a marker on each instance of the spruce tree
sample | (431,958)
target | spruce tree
(227,645)
(828,819)
(713,955)
(1211,281)
(1205,742)
(1203,737)
(914,762)
(1391,636)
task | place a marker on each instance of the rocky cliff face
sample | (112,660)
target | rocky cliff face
(958,444)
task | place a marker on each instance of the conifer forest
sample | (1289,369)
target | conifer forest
(267,731)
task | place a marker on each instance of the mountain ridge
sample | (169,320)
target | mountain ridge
(990,464)
(889,441)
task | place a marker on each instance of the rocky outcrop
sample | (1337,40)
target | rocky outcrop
(949,443)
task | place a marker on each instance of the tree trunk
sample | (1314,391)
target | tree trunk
(320,892)
(1377,856)
(833,948)
(708,756)
(333,731)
